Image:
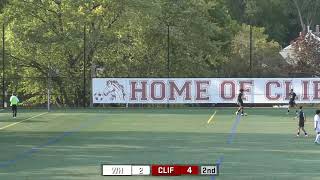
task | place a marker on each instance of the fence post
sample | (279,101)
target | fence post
(84,66)
(168,59)
(3,68)
(48,88)
(48,95)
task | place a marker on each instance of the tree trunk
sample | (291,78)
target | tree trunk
(303,26)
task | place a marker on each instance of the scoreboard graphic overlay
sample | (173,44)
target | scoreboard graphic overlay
(159,170)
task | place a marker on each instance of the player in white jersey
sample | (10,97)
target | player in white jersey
(317,126)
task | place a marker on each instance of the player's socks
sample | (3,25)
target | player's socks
(317,138)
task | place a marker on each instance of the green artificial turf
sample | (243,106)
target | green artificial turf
(72,144)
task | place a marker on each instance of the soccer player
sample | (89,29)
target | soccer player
(240,103)
(317,126)
(292,101)
(302,119)
(14,103)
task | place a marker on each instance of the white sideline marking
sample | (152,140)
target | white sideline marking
(22,121)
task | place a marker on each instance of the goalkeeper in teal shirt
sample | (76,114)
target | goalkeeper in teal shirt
(14,103)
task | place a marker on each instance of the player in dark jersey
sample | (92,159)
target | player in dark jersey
(302,118)
(292,101)
(240,103)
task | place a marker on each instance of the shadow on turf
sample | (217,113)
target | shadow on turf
(80,154)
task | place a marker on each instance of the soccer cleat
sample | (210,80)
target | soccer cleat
(298,135)
(244,114)
(237,113)
(306,135)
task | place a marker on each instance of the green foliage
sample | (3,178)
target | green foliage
(279,17)
(125,38)
(266,61)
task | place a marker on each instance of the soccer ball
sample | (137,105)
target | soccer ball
(98,96)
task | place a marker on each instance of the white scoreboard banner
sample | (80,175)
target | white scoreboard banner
(203,90)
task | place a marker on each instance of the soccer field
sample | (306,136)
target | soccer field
(72,144)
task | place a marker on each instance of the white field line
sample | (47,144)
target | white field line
(209,120)
(12,124)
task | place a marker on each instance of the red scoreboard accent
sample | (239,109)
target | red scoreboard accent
(189,170)
(174,170)
(159,170)
(165,170)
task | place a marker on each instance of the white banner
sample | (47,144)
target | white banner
(204,90)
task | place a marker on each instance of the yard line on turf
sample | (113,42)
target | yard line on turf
(212,116)
(50,141)
(230,140)
(234,129)
(218,163)
(4,127)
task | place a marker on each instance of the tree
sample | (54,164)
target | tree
(307,12)
(200,33)
(280,18)
(266,60)
(45,39)
(45,42)
(307,56)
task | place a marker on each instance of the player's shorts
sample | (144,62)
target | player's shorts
(301,123)
(14,107)
(292,103)
(240,103)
